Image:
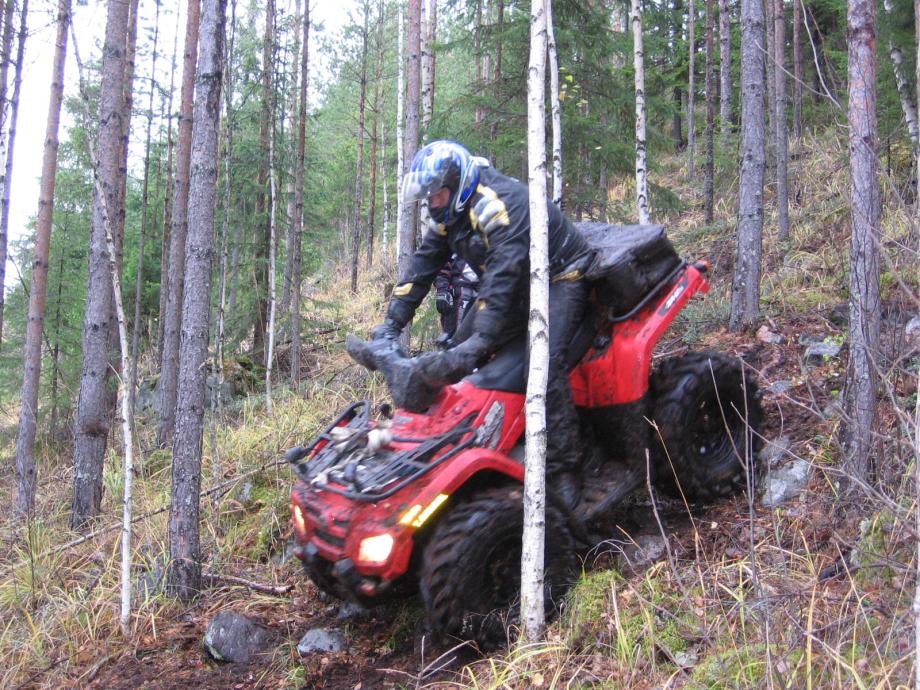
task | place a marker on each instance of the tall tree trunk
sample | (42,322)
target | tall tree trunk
(139,283)
(272,254)
(359,165)
(220,321)
(497,69)
(93,408)
(676,31)
(184,578)
(771,80)
(725,71)
(745,306)
(375,136)
(169,365)
(479,50)
(639,71)
(408,229)
(691,89)
(262,214)
(532,550)
(298,197)
(6,180)
(32,357)
(908,104)
(401,225)
(430,33)
(798,72)
(285,305)
(166,240)
(556,108)
(865,208)
(710,112)
(779,116)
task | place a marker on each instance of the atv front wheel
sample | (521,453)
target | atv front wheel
(471,572)
(708,416)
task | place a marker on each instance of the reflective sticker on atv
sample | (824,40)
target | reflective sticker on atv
(410,516)
(678,291)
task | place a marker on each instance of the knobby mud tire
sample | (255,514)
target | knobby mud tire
(708,415)
(471,573)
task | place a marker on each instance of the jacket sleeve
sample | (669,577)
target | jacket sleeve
(505,223)
(415,283)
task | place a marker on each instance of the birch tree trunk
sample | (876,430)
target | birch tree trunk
(908,104)
(745,306)
(428,62)
(375,134)
(184,577)
(400,132)
(298,197)
(556,108)
(139,282)
(691,90)
(865,304)
(639,64)
(725,71)
(11,142)
(408,228)
(710,112)
(359,164)
(169,364)
(272,255)
(532,551)
(798,72)
(32,357)
(779,117)
(287,279)
(262,213)
(93,408)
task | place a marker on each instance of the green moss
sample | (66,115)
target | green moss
(737,667)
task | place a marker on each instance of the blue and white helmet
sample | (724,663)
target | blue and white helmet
(442,164)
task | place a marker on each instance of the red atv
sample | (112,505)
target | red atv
(432,499)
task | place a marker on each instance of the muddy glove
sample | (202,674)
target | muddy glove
(443,368)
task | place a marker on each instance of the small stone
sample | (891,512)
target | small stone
(780,387)
(818,353)
(317,640)
(233,637)
(775,452)
(785,483)
(765,335)
(913,327)
(645,550)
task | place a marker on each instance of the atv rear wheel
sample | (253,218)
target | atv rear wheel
(708,416)
(471,571)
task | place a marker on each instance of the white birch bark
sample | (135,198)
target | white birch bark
(908,105)
(400,133)
(272,231)
(383,183)
(639,65)
(556,107)
(532,551)
(105,215)
(691,90)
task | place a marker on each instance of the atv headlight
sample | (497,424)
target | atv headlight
(300,524)
(375,549)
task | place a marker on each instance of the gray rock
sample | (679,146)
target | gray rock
(231,636)
(779,387)
(817,353)
(645,550)
(913,327)
(785,483)
(318,640)
(245,493)
(146,397)
(775,452)
(765,335)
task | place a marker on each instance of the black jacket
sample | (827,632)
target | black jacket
(493,236)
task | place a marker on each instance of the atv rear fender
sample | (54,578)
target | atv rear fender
(616,369)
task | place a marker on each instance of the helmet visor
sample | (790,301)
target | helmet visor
(420,184)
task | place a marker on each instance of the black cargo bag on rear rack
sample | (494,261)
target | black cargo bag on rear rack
(629,262)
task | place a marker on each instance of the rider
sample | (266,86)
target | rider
(484,216)
(456,286)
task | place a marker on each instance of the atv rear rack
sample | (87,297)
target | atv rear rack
(345,468)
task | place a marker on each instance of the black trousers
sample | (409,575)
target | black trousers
(567,303)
